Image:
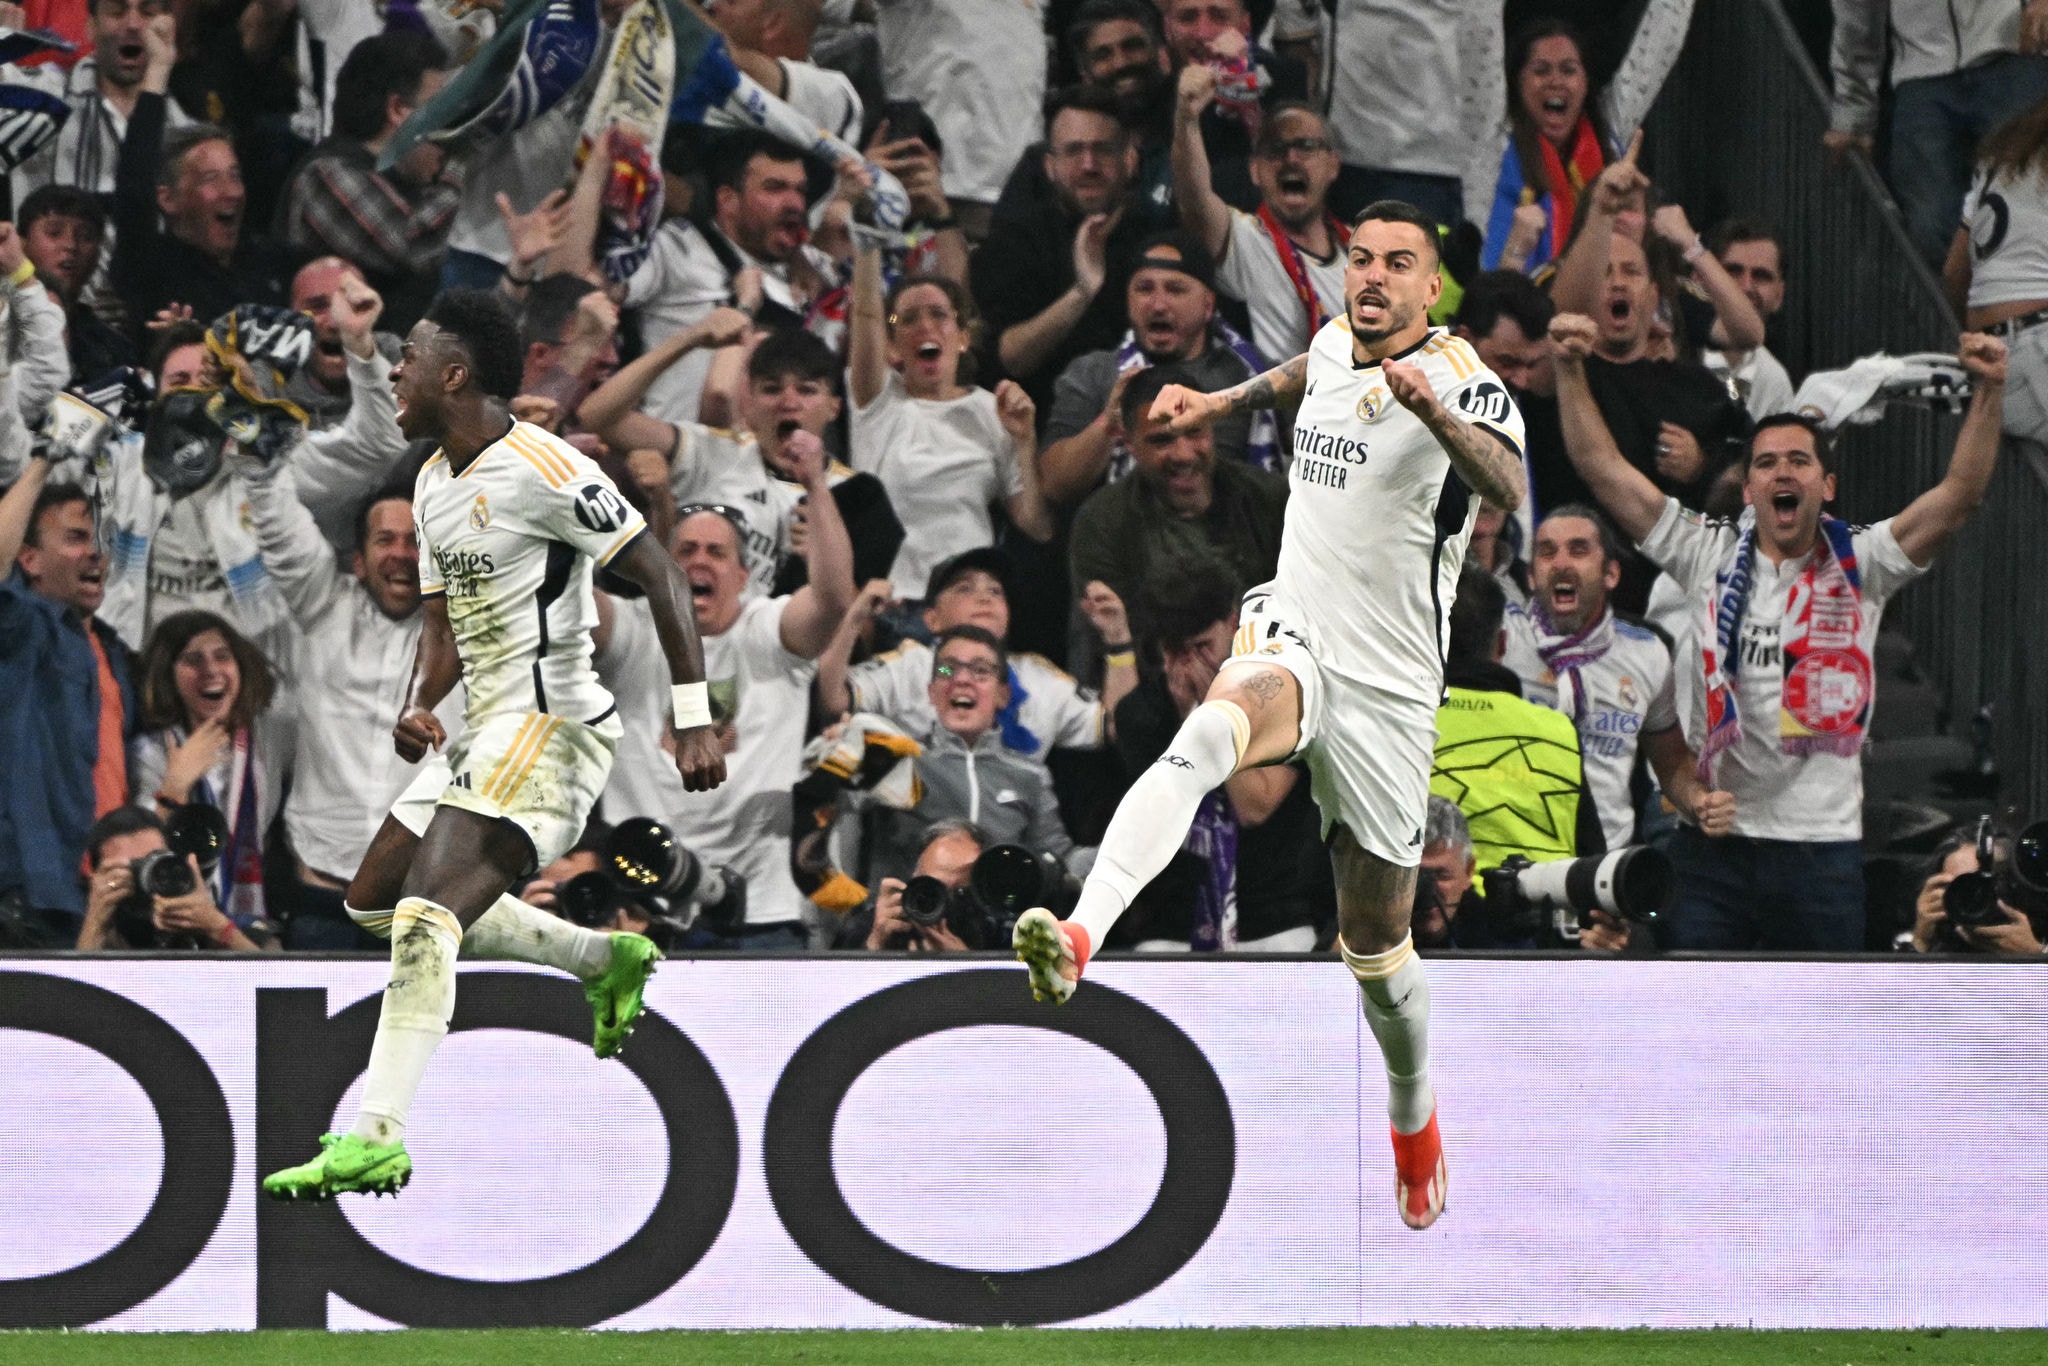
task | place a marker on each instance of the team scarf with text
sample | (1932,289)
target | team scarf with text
(1824,702)
(1297,269)
(1261,447)
(1565,654)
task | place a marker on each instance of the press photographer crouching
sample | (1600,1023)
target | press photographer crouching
(964,894)
(1988,893)
(636,877)
(149,885)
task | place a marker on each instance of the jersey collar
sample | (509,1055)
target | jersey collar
(1427,337)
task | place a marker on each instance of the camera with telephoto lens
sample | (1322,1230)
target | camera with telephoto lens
(1556,898)
(195,831)
(1006,881)
(643,863)
(2017,876)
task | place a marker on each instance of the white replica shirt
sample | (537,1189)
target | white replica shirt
(1251,270)
(679,283)
(1059,712)
(715,465)
(511,543)
(1761,380)
(1377,520)
(1815,798)
(1398,88)
(978,68)
(943,463)
(1628,695)
(823,96)
(765,691)
(2007,219)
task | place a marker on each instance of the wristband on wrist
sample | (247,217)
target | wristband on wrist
(692,702)
(225,935)
(23,273)
(1696,250)
(1120,659)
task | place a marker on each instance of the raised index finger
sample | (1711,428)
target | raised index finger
(1635,145)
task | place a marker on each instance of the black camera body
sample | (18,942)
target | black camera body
(194,831)
(644,864)
(2019,878)
(1556,899)
(1007,880)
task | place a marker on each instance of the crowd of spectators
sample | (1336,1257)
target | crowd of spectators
(956,585)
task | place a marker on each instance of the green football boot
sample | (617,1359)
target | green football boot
(346,1163)
(615,997)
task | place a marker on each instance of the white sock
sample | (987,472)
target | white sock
(1153,818)
(418,1002)
(1396,992)
(376,922)
(513,930)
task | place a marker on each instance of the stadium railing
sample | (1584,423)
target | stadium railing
(1737,131)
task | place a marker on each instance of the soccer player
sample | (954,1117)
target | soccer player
(512,523)
(1400,431)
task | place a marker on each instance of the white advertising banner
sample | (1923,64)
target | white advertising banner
(882,1143)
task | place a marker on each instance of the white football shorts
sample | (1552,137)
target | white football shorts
(542,773)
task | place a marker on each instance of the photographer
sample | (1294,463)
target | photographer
(1450,912)
(118,915)
(948,859)
(2016,935)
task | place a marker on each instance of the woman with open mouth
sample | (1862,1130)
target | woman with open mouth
(208,738)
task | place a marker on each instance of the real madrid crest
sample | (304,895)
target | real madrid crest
(480,515)
(1372,405)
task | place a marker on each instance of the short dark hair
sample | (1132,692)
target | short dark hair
(160,705)
(1823,442)
(1184,596)
(52,496)
(179,141)
(726,161)
(482,322)
(1088,99)
(122,820)
(550,303)
(391,493)
(1401,211)
(1476,617)
(377,68)
(1095,13)
(793,351)
(61,201)
(1498,294)
(1610,539)
(1269,124)
(1145,386)
(1729,231)
(187,333)
(979,635)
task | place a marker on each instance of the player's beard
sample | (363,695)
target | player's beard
(1397,321)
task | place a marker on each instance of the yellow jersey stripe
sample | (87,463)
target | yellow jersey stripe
(550,466)
(542,452)
(518,740)
(626,538)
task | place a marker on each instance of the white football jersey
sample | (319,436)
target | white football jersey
(511,542)
(1377,520)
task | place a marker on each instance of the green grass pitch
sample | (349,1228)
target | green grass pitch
(1037,1347)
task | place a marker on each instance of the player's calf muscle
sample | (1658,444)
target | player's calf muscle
(1374,897)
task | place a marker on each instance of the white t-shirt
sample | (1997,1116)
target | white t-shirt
(511,542)
(1059,712)
(1396,84)
(1251,270)
(1629,695)
(1814,798)
(527,166)
(1377,520)
(680,282)
(823,96)
(943,463)
(2007,219)
(978,68)
(714,465)
(1761,380)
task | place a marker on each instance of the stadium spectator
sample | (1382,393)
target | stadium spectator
(1755,260)
(207,737)
(966,771)
(2016,934)
(758,658)
(1395,109)
(912,155)
(758,220)
(1612,677)
(789,386)
(1997,268)
(36,363)
(1956,74)
(1786,607)
(1539,806)
(323,290)
(570,328)
(63,231)
(1217,35)
(1171,306)
(202,258)
(770,40)
(1252,874)
(586,857)
(1286,261)
(1494,548)
(948,856)
(946,452)
(1049,281)
(1506,318)
(67,696)
(1045,708)
(119,915)
(1445,882)
(962,62)
(1528,179)
(392,226)
(1181,503)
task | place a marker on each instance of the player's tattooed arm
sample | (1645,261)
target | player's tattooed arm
(1483,460)
(1281,387)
